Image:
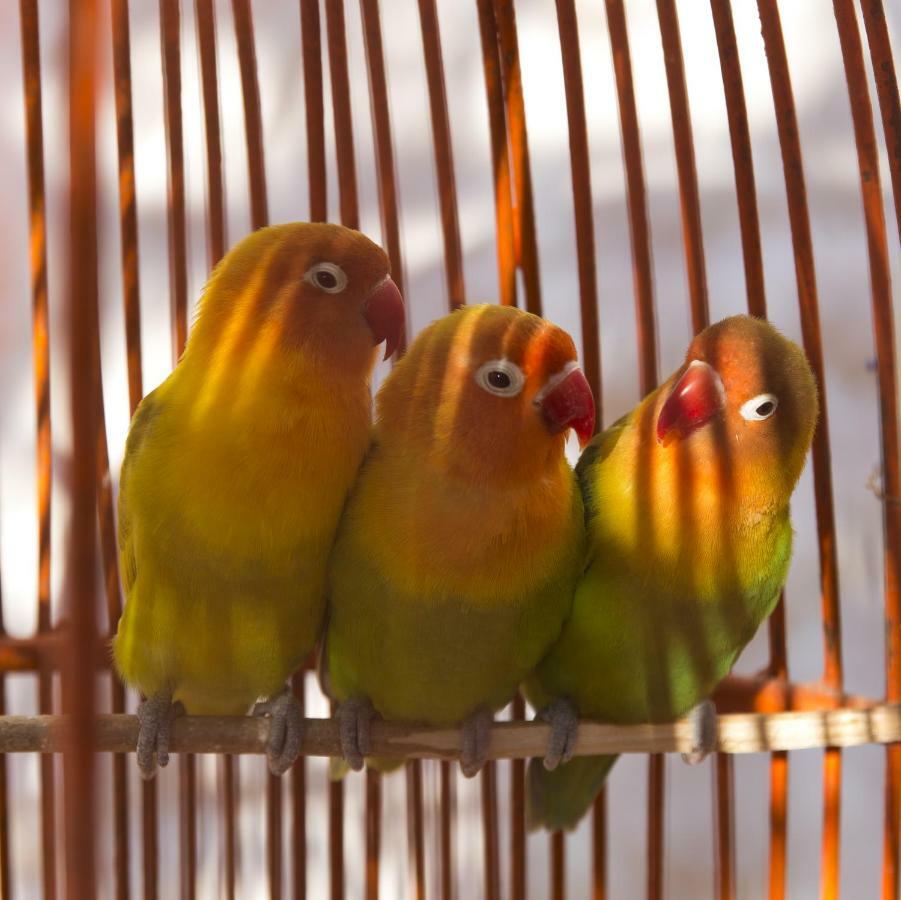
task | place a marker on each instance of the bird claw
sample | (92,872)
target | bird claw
(703,732)
(476,738)
(155,716)
(285,730)
(355,728)
(563,717)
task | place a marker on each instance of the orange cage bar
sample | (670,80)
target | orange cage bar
(73,645)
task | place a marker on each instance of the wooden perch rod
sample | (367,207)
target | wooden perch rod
(737,733)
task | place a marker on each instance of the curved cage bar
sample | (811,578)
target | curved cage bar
(480,222)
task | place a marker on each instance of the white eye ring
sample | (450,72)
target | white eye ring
(327,277)
(759,408)
(500,377)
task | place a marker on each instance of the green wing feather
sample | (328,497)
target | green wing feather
(558,800)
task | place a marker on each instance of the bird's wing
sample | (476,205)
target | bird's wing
(593,455)
(141,424)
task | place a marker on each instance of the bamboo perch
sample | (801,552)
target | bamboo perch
(737,733)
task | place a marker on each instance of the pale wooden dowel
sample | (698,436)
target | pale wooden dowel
(737,733)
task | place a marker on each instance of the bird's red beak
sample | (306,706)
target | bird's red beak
(384,314)
(569,403)
(698,396)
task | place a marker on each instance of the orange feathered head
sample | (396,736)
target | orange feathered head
(313,290)
(485,393)
(746,388)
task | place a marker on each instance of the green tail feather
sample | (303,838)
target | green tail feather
(558,800)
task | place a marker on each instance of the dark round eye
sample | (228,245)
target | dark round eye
(326,280)
(500,377)
(327,277)
(759,408)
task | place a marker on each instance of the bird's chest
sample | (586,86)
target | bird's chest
(249,496)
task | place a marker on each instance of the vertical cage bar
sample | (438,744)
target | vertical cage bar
(34,137)
(299,807)
(640,239)
(350,216)
(311,44)
(373,832)
(558,865)
(444,158)
(505,111)
(170,28)
(336,839)
(778,824)
(259,218)
(274,834)
(796,191)
(344,141)
(390,219)
(150,841)
(692,237)
(128,224)
(389,206)
(500,155)
(187,790)
(446,832)
(336,836)
(636,196)
(128,212)
(311,49)
(518,814)
(656,771)
(253,123)
(725,826)
(84,375)
(599,846)
(489,832)
(749,224)
(568,28)
(215,213)
(228,779)
(415,843)
(883,326)
(524,234)
(740,138)
(887,90)
(206,40)
(689,199)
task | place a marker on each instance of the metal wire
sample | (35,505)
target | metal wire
(517,245)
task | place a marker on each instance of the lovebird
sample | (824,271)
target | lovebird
(235,473)
(689,542)
(458,553)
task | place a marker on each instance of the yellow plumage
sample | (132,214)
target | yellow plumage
(237,467)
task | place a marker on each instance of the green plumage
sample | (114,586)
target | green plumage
(689,546)
(436,657)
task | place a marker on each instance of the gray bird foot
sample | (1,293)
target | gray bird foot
(703,732)
(155,715)
(563,717)
(355,726)
(285,730)
(475,740)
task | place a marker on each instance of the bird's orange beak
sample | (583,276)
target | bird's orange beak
(567,402)
(384,314)
(698,396)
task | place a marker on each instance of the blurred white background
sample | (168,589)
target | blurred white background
(843,280)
